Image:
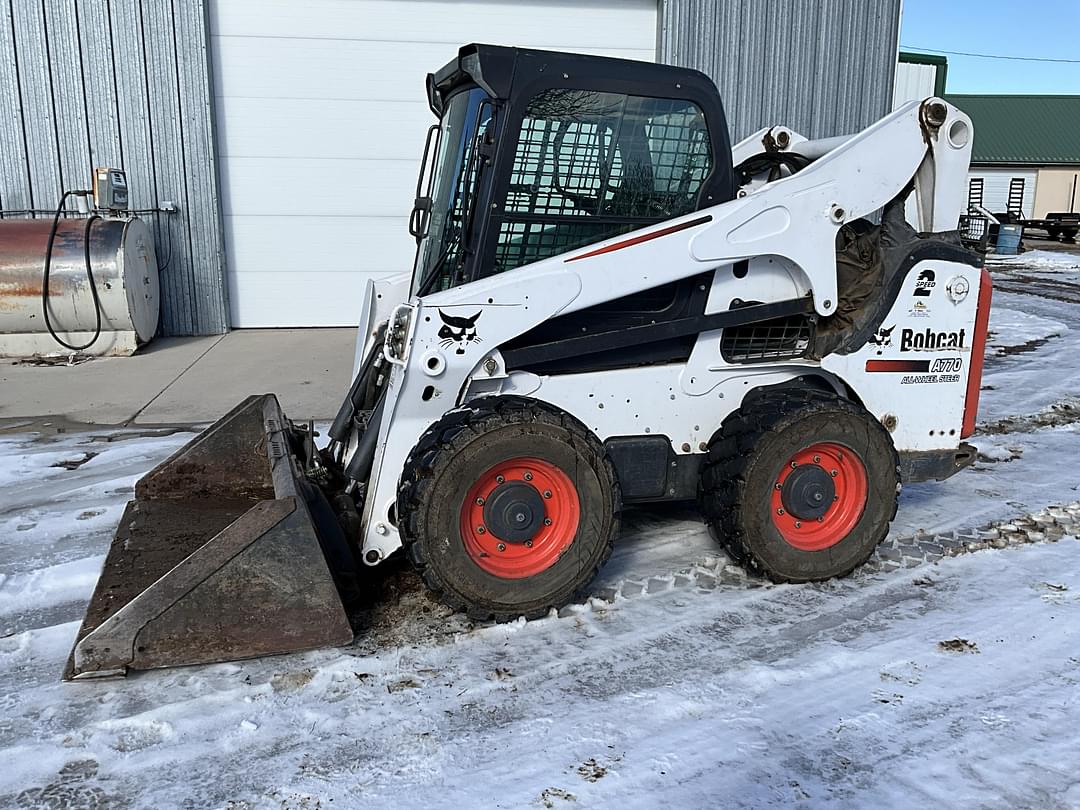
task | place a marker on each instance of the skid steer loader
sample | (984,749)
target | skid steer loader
(610,304)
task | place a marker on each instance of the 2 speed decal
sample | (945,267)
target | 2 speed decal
(925,284)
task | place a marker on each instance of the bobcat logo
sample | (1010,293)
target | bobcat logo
(458,330)
(883,337)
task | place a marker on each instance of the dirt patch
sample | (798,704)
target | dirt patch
(398,610)
(1063,412)
(591,771)
(73,359)
(548,797)
(1023,348)
(958,645)
(402,684)
(75,463)
(1014,453)
(888,698)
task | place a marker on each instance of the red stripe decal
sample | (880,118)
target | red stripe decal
(899,366)
(978,350)
(637,240)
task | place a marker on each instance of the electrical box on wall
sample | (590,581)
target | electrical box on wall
(110,189)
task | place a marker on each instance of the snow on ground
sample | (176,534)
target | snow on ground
(1012,331)
(1043,261)
(953,684)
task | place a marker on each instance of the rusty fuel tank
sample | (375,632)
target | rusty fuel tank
(125,271)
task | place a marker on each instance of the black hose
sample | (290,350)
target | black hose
(89,274)
(359,465)
(162,267)
(358,391)
(343,422)
(771,161)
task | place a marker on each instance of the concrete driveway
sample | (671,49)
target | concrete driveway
(185,381)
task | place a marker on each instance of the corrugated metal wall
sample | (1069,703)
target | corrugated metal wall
(123,83)
(127,83)
(914,82)
(821,67)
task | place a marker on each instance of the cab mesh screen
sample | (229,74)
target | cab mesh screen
(589,166)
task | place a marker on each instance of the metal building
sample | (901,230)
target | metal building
(288,135)
(919,75)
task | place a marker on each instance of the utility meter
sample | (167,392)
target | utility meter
(110,189)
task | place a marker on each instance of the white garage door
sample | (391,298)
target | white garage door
(996,184)
(321,116)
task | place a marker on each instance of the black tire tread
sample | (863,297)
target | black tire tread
(476,417)
(722,493)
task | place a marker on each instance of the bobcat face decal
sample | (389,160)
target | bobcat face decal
(883,337)
(460,331)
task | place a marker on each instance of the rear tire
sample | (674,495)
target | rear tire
(508,508)
(800,485)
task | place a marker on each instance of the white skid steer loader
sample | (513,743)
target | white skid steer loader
(609,305)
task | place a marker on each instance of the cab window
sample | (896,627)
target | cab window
(590,165)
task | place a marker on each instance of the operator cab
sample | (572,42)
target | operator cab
(537,153)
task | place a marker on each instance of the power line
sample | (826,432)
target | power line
(993,55)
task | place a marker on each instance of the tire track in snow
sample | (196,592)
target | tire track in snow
(411,622)
(719,573)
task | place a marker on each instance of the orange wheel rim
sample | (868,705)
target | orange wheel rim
(819,495)
(519,517)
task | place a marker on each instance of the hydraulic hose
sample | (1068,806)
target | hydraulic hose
(89,275)
(343,422)
(359,465)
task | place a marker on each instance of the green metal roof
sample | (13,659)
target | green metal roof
(1039,130)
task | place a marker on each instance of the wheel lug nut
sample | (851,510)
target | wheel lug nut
(547,522)
(528,544)
(480,530)
(479,501)
(547,493)
(779,511)
(821,520)
(833,473)
(499,479)
(817,459)
(528,476)
(794,464)
(836,497)
(501,547)
(798,524)
(778,485)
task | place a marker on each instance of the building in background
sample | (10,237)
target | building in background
(289,134)
(919,76)
(1026,155)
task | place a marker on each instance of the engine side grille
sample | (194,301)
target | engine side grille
(776,339)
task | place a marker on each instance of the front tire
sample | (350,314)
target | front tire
(508,508)
(800,485)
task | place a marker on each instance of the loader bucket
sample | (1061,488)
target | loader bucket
(217,558)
